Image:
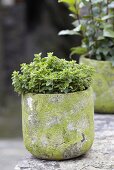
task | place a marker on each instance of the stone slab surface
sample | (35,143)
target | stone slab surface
(100,157)
(11,151)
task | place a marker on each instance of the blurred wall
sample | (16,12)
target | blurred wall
(27,27)
(13,52)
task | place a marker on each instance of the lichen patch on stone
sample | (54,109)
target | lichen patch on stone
(44,141)
(83,124)
(73,150)
(29,102)
(56,98)
(79,106)
(52,121)
(71,127)
(34,140)
(94,96)
(32,119)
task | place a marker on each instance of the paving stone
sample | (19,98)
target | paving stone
(11,150)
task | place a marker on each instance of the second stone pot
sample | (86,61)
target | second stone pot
(103,84)
(58,126)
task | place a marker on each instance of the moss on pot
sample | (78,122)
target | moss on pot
(58,126)
(103,84)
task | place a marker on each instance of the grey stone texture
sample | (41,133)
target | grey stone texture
(100,157)
(11,150)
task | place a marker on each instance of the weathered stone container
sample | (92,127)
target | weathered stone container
(58,126)
(103,84)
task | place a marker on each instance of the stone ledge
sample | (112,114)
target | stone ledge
(100,157)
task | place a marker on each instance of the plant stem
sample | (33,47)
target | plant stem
(100,9)
(91,10)
(107,6)
(100,14)
(77,15)
(93,22)
(113,20)
(107,9)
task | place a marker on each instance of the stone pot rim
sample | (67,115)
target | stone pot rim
(97,61)
(58,94)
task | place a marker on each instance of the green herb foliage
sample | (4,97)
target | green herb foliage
(52,75)
(96,26)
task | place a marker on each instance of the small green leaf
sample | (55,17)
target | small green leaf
(111,5)
(108,33)
(97,1)
(107,17)
(78,50)
(68,32)
(78,28)
(67,1)
(100,38)
(85,2)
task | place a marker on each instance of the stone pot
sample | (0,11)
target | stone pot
(103,84)
(58,126)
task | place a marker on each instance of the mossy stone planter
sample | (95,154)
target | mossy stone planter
(58,126)
(103,85)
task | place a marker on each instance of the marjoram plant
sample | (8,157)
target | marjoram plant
(51,75)
(94,22)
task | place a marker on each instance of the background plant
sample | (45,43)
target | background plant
(51,75)
(95,25)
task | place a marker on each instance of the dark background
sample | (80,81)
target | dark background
(27,27)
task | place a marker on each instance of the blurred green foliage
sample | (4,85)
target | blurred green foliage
(96,26)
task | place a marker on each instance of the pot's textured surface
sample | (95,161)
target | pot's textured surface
(103,85)
(58,126)
(100,157)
